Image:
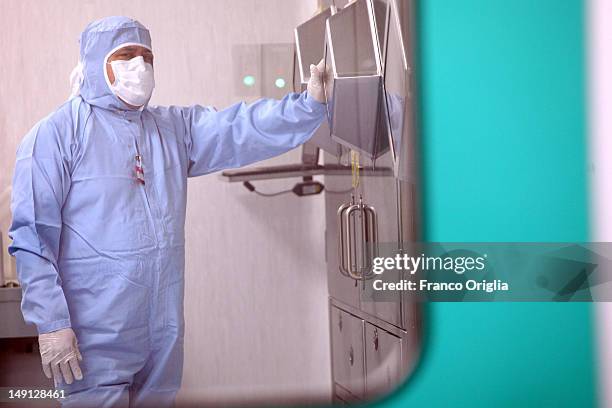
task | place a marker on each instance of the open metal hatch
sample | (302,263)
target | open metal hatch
(398,93)
(354,56)
(309,49)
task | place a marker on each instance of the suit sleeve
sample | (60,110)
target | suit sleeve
(243,134)
(40,184)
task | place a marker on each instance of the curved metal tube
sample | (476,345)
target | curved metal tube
(370,224)
(341,247)
(349,248)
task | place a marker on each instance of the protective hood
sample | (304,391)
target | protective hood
(100,38)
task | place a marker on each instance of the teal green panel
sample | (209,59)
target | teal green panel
(503,120)
(505,356)
(503,159)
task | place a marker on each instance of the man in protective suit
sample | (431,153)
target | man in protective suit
(99,197)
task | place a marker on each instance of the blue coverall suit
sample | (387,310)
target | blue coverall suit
(99,251)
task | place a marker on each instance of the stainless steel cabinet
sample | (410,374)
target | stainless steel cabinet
(347,351)
(343,397)
(370,358)
(340,287)
(384,368)
(374,345)
(382,194)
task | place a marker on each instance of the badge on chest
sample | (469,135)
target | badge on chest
(139,170)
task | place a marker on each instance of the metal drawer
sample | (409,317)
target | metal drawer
(347,351)
(383,366)
(343,397)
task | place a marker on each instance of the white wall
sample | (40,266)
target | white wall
(256,307)
(600,127)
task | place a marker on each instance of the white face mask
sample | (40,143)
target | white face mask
(134,80)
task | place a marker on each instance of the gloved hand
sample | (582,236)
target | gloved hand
(315,83)
(60,356)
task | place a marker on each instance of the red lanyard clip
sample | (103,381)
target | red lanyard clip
(139,170)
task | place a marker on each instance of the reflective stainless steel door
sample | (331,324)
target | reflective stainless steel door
(339,286)
(382,194)
(347,351)
(383,361)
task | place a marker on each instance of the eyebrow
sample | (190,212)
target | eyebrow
(131,49)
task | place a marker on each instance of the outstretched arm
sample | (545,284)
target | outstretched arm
(243,134)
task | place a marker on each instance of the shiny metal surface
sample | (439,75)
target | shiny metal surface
(343,397)
(340,286)
(348,351)
(354,88)
(351,242)
(353,41)
(309,49)
(356,114)
(299,170)
(389,352)
(370,226)
(310,43)
(357,237)
(382,193)
(383,365)
(371,110)
(342,244)
(399,92)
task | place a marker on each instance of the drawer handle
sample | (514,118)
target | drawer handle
(342,264)
(352,257)
(370,227)
(375,339)
(340,321)
(351,356)
(353,218)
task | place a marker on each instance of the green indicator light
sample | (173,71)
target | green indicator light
(280,83)
(248,80)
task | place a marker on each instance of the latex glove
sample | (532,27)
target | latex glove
(60,356)
(315,83)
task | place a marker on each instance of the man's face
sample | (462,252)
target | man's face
(126,54)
